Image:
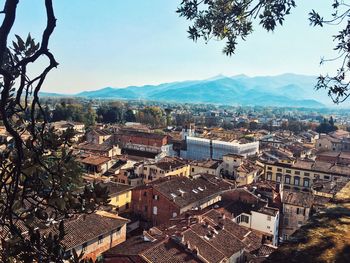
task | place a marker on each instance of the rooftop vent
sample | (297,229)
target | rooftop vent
(200,189)
(195,191)
(181,191)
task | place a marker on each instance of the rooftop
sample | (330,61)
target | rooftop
(97,224)
(94,147)
(316,166)
(184,191)
(297,198)
(211,164)
(115,189)
(95,160)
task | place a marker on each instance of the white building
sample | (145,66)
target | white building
(201,149)
(264,219)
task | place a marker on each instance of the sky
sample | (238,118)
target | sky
(115,43)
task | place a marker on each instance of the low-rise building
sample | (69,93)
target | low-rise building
(247,173)
(100,136)
(119,195)
(204,237)
(61,126)
(166,198)
(250,210)
(296,211)
(168,166)
(230,164)
(96,164)
(300,174)
(103,149)
(213,167)
(336,141)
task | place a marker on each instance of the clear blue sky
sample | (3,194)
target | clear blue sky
(117,43)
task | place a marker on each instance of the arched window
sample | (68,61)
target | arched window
(269,176)
(287,179)
(296,180)
(279,177)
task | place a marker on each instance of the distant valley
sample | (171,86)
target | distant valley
(282,90)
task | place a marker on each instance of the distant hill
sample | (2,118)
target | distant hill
(282,90)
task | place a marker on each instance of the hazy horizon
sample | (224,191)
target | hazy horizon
(121,44)
(174,81)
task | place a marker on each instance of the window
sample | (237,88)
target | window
(269,168)
(268,218)
(116,232)
(298,210)
(268,227)
(326,177)
(279,178)
(192,170)
(155,197)
(307,174)
(306,182)
(245,219)
(297,172)
(127,206)
(287,179)
(279,169)
(155,210)
(288,171)
(285,237)
(296,180)
(100,239)
(286,221)
(269,176)
(174,214)
(144,193)
(83,247)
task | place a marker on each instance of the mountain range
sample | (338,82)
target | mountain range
(281,90)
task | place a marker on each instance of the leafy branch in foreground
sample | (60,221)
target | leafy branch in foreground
(232,20)
(40,182)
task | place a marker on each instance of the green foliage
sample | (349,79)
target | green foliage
(73,111)
(253,126)
(327,126)
(151,115)
(110,113)
(232,20)
(129,116)
(40,181)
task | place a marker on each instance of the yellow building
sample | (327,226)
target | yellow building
(169,166)
(247,173)
(300,174)
(120,196)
